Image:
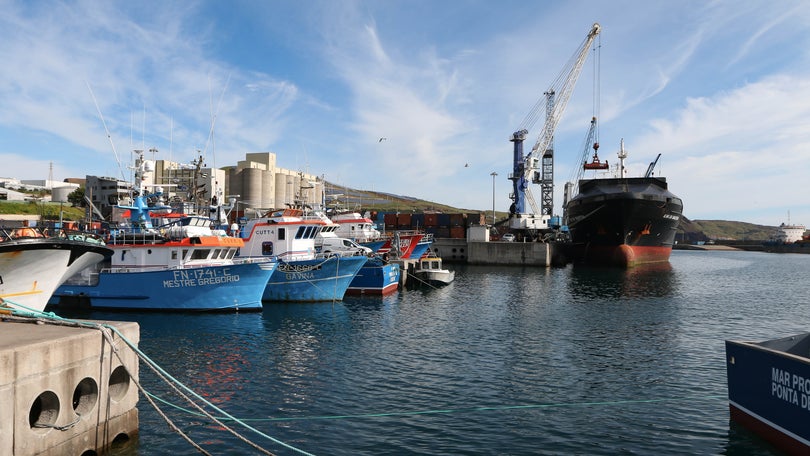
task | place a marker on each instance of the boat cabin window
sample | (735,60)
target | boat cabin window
(267,248)
(306,232)
(200,254)
(282,234)
(216,254)
(231,253)
(174,254)
(185,253)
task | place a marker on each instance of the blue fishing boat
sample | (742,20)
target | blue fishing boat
(376,277)
(769,389)
(181,266)
(303,274)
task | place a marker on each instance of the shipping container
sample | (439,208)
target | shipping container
(444,220)
(443,232)
(390,219)
(404,219)
(418,221)
(458,232)
(431,220)
(456,220)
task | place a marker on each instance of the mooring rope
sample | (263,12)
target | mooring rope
(448,411)
(25,314)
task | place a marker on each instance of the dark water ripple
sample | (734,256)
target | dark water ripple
(504,361)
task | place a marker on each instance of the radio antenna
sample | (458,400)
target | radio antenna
(106,130)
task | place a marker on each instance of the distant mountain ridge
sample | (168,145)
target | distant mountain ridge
(723,230)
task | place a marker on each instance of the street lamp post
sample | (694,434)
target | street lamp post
(493,174)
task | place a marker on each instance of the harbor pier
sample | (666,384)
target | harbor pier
(501,253)
(66,390)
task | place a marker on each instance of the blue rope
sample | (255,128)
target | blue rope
(24,311)
(462,410)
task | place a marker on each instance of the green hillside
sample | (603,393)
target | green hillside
(723,230)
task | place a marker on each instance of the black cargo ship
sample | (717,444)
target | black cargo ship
(621,221)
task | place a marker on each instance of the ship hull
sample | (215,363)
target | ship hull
(320,279)
(31,269)
(769,389)
(375,278)
(623,222)
(234,287)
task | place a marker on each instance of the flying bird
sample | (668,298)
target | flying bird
(466,165)
(382,139)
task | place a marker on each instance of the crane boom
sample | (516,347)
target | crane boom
(525,168)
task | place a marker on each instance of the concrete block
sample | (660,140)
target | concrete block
(63,383)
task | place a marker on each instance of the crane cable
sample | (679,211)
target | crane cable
(539,106)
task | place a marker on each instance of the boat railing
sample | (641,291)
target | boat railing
(128,238)
(339,253)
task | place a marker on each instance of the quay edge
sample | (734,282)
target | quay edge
(63,390)
(501,253)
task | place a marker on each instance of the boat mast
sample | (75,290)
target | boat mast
(622,155)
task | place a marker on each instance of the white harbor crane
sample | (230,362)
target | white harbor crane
(537,166)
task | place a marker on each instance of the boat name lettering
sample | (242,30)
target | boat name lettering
(286,267)
(200,278)
(300,275)
(791,388)
(264,232)
(671,216)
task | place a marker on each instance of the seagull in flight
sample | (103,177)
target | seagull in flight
(382,139)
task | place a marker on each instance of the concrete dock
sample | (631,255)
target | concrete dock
(500,253)
(64,390)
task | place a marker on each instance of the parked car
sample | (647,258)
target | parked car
(508,237)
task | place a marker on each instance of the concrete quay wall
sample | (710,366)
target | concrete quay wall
(509,253)
(498,252)
(63,390)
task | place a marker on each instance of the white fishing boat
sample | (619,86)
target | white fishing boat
(32,265)
(429,270)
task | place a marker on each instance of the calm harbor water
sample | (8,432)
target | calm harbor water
(506,360)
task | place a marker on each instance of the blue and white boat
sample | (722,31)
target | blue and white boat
(769,389)
(183,266)
(376,277)
(302,274)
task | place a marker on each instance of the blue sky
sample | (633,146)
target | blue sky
(720,88)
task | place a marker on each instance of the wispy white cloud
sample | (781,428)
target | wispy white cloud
(717,88)
(741,151)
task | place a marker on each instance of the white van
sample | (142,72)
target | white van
(340,246)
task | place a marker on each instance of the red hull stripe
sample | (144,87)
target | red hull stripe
(778,438)
(626,255)
(388,289)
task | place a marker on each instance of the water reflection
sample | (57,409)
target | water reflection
(742,441)
(643,281)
